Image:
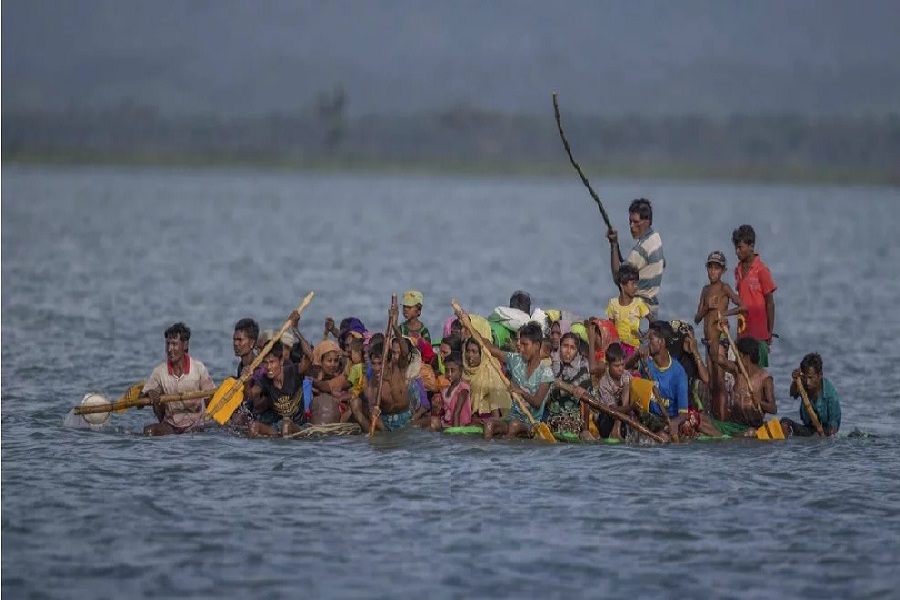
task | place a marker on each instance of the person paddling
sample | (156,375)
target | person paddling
(180,372)
(823,398)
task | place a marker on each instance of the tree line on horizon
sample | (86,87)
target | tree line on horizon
(859,147)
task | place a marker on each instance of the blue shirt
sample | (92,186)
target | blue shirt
(518,370)
(673,386)
(827,407)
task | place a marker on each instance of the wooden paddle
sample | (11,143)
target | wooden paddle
(221,407)
(541,429)
(132,393)
(136,402)
(584,179)
(663,409)
(809,407)
(389,330)
(740,363)
(583,396)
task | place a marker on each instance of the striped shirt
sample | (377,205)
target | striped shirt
(647,257)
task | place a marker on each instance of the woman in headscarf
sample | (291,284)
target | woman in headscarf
(489,395)
(564,414)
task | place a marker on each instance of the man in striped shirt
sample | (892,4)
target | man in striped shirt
(646,256)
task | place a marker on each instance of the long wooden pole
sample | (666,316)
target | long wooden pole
(388,332)
(817,424)
(585,397)
(144,401)
(740,364)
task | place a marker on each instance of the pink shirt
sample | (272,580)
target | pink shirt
(195,377)
(450,400)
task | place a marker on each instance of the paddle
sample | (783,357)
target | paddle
(132,393)
(121,405)
(809,408)
(663,409)
(541,429)
(389,330)
(584,179)
(228,398)
(739,362)
(583,396)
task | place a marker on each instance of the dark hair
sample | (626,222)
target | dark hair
(471,341)
(570,336)
(521,300)
(248,326)
(614,353)
(454,358)
(744,233)
(664,330)
(356,344)
(532,331)
(180,329)
(454,341)
(627,272)
(377,338)
(375,350)
(812,360)
(277,349)
(455,324)
(749,347)
(643,208)
(583,348)
(556,324)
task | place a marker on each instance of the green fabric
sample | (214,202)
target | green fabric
(464,430)
(500,334)
(709,438)
(763,355)
(728,428)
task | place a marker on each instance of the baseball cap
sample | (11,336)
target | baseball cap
(412,297)
(716,257)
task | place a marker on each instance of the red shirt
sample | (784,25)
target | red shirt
(752,288)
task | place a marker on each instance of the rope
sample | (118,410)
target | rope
(330,429)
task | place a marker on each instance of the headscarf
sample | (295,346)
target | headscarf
(323,348)
(488,392)
(425,350)
(348,325)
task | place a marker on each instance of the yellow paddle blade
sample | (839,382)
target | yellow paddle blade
(641,393)
(542,430)
(224,412)
(771,430)
(131,394)
(593,427)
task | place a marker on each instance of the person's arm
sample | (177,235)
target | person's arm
(794,391)
(702,309)
(461,400)
(403,359)
(625,398)
(739,307)
(767,402)
(595,367)
(615,253)
(770,312)
(681,404)
(690,345)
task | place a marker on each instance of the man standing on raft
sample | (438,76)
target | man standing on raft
(646,255)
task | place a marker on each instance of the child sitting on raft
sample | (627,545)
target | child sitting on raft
(454,400)
(613,390)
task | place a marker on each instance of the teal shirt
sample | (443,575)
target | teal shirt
(518,371)
(827,407)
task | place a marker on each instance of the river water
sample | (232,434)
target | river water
(96,263)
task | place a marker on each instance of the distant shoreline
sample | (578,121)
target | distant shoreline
(675,172)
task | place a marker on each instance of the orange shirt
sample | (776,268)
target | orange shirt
(752,288)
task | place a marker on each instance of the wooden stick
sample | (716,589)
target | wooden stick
(144,401)
(740,365)
(584,179)
(589,401)
(389,330)
(239,384)
(809,408)
(540,428)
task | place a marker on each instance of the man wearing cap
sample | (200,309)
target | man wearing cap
(646,255)
(714,301)
(412,310)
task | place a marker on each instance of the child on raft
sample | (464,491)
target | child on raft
(455,400)
(627,309)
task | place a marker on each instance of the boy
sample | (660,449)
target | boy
(627,310)
(756,288)
(412,310)
(529,378)
(613,390)
(822,396)
(714,300)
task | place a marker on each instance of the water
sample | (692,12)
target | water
(97,262)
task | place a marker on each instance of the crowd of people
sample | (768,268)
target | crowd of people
(500,373)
